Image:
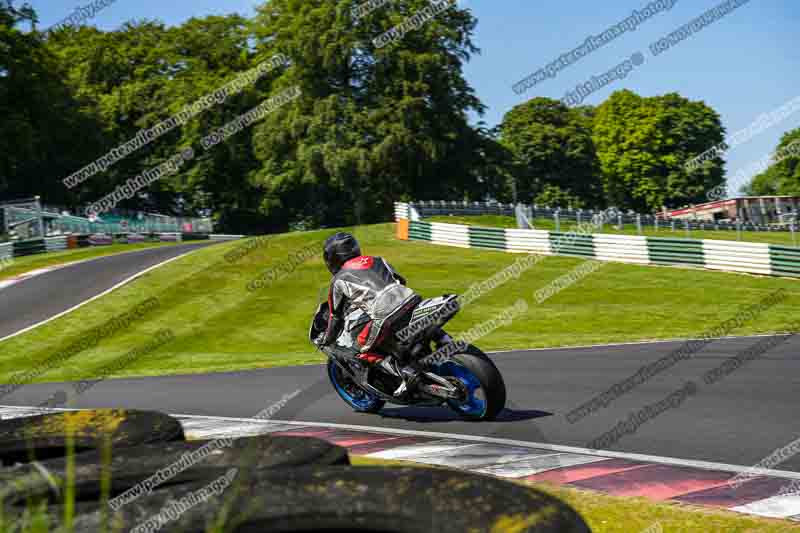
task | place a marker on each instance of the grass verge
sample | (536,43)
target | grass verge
(218,325)
(613,514)
(21,265)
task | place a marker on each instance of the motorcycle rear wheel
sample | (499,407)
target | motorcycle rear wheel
(485,388)
(353,395)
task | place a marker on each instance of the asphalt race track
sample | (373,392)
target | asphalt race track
(34,299)
(738,420)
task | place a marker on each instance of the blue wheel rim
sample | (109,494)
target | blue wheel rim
(361,401)
(475,404)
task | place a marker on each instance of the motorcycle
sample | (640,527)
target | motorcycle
(419,365)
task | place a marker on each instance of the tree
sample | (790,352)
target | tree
(643,145)
(39,115)
(552,150)
(373,124)
(783,175)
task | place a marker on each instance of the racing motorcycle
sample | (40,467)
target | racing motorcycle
(418,365)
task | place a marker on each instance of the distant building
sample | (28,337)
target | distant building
(753,209)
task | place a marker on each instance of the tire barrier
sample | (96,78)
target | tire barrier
(44,437)
(354,499)
(134,238)
(130,466)
(712,254)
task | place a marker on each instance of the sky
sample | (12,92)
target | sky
(742,66)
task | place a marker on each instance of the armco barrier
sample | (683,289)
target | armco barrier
(100,239)
(31,247)
(225,237)
(169,237)
(194,236)
(55,244)
(733,256)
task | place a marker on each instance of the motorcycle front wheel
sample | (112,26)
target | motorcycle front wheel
(352,394)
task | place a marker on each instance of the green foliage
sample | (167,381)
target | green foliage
(372,125)
(643,145)
(552,150)
(554,196)
(782,177)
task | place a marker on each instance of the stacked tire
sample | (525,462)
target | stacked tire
(122,470)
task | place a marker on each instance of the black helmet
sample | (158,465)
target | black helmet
(340,248)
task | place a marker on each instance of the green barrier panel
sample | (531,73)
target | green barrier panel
(666,251)
(492,238)
(31,247)
(572,244)
(785,261)
(420,231)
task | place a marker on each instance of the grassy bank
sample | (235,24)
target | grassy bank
(219,325)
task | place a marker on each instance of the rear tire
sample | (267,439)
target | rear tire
(481,372)
(360,400)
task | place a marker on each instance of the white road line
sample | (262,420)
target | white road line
(93,298)
(633,343)
(674,461)
(774,507)
(537,465)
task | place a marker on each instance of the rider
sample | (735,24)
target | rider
(362,286)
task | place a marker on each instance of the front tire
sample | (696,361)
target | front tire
(486,390)
(360,400)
